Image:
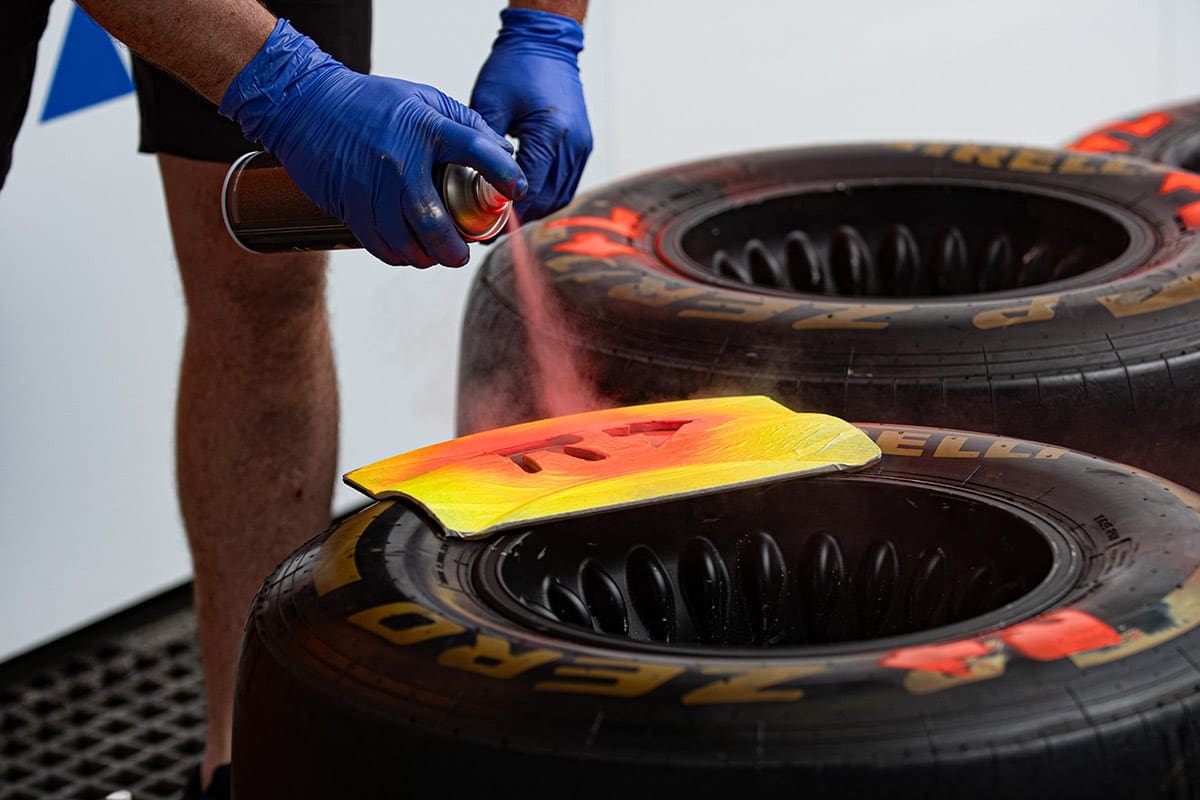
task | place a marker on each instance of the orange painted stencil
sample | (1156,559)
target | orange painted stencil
(494,480)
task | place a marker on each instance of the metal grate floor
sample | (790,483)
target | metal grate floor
(115,707)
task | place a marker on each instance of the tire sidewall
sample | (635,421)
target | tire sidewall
(536,691)
(604,253)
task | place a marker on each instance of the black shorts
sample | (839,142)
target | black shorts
(19,36)
(177,121)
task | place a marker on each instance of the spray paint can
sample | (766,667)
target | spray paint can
(265,212)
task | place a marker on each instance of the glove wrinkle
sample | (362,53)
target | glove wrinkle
(529,88)
(364,147)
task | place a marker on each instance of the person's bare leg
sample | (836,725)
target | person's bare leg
(256,424)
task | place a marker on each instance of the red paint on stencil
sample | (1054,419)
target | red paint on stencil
(1059,634)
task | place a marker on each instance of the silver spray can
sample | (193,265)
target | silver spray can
(265,212)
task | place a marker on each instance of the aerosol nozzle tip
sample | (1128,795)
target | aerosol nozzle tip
(489,196)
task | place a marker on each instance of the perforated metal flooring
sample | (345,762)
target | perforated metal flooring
(115,707)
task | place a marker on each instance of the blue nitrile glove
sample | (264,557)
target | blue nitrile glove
(529,87)
(364,148)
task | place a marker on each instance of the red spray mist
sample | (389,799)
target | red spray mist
(562,383)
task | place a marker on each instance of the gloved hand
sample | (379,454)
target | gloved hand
(364,148)
(529,87)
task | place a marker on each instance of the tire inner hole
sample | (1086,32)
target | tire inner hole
(812,561)
(904,241)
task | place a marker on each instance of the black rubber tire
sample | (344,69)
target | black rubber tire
(1105,361)
(377,661)
(1168,135)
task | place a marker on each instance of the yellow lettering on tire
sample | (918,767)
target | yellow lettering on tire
(492,657)
(951,447)
(1037,309)
(374,620)
(983,156)
(1030,160)
(1005,448)
(586,269)
(752,685)
(1177,292)
(654,292)
(1118,166)
(608,677)
(849,318)
(902,443)
(1077,165)
(335,566)
(979,669)
(736,308)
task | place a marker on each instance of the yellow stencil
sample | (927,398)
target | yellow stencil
(489,481)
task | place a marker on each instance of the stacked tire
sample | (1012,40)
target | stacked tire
(1168,135)
(1000,607)
(1033,293)
(1021,623)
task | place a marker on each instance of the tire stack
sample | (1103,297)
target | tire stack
(1033,293)
(1005,605)
(1167,135)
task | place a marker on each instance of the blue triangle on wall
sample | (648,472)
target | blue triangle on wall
(90,69)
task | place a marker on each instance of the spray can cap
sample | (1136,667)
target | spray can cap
(479,211)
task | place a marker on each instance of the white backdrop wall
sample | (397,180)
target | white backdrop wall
(90,305)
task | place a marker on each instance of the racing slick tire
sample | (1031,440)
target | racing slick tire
(1168,135)
(1033,293)
(971,616)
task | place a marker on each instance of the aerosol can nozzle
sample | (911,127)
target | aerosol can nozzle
(265,212)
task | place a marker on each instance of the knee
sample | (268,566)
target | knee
(258,291)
